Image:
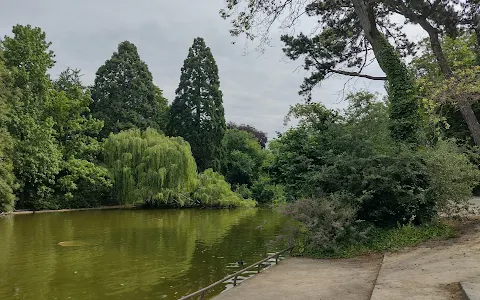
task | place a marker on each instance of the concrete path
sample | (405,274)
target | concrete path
(304,279)
(430,272)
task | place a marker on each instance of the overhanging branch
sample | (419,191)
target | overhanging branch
(356,74)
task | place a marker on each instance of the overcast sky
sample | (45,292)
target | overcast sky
(258,88)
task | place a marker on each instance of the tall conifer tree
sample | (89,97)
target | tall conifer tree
(124,94)
(197,112)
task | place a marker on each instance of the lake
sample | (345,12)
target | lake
(129,254)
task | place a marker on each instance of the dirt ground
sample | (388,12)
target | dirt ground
(431,271)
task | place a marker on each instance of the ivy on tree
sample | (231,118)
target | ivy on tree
(124,95)
(197,112)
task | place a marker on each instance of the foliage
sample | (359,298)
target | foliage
(326,223)
(197,112)
(162,116)
(148,167)
(82,183)
(7,179)
(124,95)
(330,152)
(37,157)
(258,134)
(391,189)
(443,98)
(214,191)
(264,191)
(452,176)
(367,118)
(391,239)
(459,51)
(243,157)
(76,129)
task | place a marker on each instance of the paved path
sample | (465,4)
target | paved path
(304,279)
(430,272)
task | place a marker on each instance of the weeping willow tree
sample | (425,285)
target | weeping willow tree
(150,167)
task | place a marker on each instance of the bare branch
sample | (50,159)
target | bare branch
(356,74)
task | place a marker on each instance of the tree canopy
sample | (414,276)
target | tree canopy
(124,95)
(197,112)
(148,167)
(7,179)
(37,156)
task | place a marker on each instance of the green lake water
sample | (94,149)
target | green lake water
(129,254)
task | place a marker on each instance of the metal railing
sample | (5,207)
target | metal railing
(258,265)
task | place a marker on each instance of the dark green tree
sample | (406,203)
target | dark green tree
(243,157)
(162,116)
(124,95)
(37,156)
(197,112)
(7,179)
(82,182)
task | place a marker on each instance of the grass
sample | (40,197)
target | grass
(381,240)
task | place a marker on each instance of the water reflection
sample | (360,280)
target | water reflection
(161,254)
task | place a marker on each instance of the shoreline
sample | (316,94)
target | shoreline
(113,207)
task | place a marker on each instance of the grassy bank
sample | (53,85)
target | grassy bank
(382,240)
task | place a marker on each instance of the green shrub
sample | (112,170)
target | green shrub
(325,224)
(394,190)
(389,239)
(82,184)
(452,176)
(265,191)
(387,190)
(214,191)
(243,191)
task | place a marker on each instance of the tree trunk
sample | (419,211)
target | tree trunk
(466,109)
(472,122)
(403,108)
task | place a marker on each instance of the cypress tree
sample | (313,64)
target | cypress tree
(124,95)
(197,112)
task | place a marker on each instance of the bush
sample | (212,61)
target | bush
(82,184)
(265,191)
(394,190)
(243,191)
(325,224)
(452,176)
(387,190)
(214,191)
(391,239)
